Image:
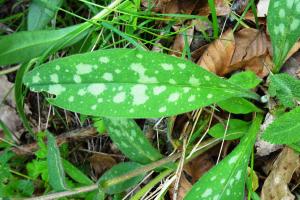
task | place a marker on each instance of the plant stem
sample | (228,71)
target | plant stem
(66,193)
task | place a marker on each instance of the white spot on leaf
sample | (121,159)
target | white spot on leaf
(54,78)
(93,107)
(140,70)
(173,97)
(159,89)
(139,95)
(194,81)
(77,78)
(104,59)
(56,89)
(84,68)
(81,92)
(181,65)
(167,66)
(36,78)
(162,109)
(96,88)
(295,24)
(209,96)
(120,97)
(107,76)
(71,99)
(57,67)
(281,13)
(207,193)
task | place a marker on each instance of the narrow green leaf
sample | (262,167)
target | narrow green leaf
(236,129)
(75,173)
(23,46)
(246,79)
(41,12)
(286,88)
(283,23)
(237,105)
(55,168)
(285,129)
(226,181)
(130,83)
(129,138)
(116,171)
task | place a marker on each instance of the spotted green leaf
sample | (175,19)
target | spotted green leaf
(116,171)
(130,83)
(129,138)
(41,12)
(286,88)
(226,181)
(285,129)
(26,45)
(283,23)
(55,167)
(236,129)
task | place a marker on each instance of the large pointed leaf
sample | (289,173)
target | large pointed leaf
(129,138)
(285,129)
(55,167)
(23,46)
(41,12)
(283,25)
(130,83)
(226,181)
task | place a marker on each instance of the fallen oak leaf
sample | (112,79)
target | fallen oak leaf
(217,57)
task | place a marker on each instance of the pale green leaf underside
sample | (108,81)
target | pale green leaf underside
(236,129)
(285,129)
(283,25)
(55,167)
(129,138)
(226,181)
(237,105)
(26,45)
(130,83)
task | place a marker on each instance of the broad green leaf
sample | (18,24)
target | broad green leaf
(41,12)
(286,88)
(236,129)
(23,46)
(116,171)
(130,83)
(237,105)
(246,79)
(25,187)
(129,138)
(283,23)
(75,173)
(285,129)
(226,181)
(55,168)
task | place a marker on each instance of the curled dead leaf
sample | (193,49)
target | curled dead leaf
(276,185)
(217,57)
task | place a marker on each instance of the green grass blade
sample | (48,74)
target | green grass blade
(130,83)
(215,23)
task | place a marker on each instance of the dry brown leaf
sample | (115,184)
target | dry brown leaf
(184,187)
(222,8)
(179,42)
(276,185)
(217,56)
(172,6)
(101,162)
